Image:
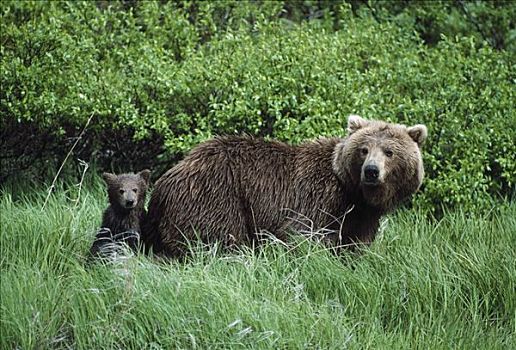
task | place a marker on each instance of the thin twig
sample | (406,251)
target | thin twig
(79,185)
(51,188)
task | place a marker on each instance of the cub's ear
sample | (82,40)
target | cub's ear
(145,175)
(418,133)
(356,122)
(109,178)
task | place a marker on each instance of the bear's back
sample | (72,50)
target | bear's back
(230,183)
(231,187)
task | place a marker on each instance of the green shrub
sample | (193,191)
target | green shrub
(489,21)
(160,78)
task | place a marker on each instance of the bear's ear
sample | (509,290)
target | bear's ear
(109,178)
(145,175)
(418,133)
(356,122)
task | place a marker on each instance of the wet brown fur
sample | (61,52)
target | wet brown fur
(231,188)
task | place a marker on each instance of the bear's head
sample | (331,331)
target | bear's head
(127,191)
(381,160)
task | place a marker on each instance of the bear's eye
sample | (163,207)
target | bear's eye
(135,190)
(388,153)
(364,151)
(121,191)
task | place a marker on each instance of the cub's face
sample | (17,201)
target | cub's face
(127,191)
(383,160)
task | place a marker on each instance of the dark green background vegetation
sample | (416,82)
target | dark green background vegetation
(160,77)
(149,80)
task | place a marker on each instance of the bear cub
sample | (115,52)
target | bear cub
(121,220)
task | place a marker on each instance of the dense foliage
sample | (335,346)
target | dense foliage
(156,78)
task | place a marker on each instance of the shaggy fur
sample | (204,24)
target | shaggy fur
(121,220)
(232,188)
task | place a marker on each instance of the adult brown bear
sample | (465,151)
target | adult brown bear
(231,188)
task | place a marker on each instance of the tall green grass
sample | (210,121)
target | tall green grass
(424,284)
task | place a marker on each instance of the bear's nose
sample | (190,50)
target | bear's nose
(129,203)
(371,173)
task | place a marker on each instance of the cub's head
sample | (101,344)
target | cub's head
(127,191)
(382,160)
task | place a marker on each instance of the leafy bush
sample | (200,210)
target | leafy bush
(160,78)
(490,21)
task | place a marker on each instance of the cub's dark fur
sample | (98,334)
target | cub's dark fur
(121,220)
